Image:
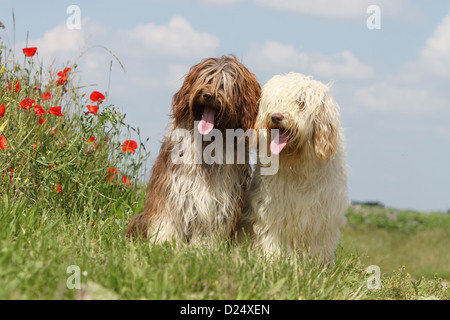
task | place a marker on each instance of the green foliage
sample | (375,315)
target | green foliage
(67,161)
(401,286)
(39,244)
(403,221)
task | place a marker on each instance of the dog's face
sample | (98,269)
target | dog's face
(220,93)
(306,116)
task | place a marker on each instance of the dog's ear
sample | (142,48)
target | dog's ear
(250,104)
(180,106)
(180,102)
(325,132)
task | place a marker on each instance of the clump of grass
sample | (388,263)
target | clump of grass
(62,147)
(402,286)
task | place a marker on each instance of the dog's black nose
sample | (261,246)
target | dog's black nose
(207,95)
(277,118)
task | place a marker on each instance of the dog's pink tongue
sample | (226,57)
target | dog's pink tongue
(276,147)
(207,122)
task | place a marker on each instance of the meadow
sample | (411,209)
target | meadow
(71,177)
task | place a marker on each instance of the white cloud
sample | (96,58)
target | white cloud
(158,56)
(177,39)
(339,9)
(435,57)
(171,79)
(155,56)
(60,45)
(60,39)
(66,44)
(341,65)
(419,86)
(275,57)
(398,98)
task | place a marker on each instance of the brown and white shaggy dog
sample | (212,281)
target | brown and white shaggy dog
(301,207)
(195,200)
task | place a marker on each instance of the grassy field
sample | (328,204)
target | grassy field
(38,245)
(415,240)
(70,180)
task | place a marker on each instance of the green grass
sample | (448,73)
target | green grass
(393,238)
(62,205)
(39,245)
(424,253)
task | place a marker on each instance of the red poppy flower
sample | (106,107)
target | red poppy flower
(61,80)
(29,52)
(56,111)
(17,87)
(2,110)
(64,72)
(63,76)
(41,121)
(97,97)
(112,172)
(126,180)
(58,188)
(92,109)
(9,173)
(94,146)
(39,110)
(129,146)
(3,143)
(46,96)
(27,103)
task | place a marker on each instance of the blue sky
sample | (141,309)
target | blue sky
(392,84)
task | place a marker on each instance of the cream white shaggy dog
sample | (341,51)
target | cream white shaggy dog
(302,206)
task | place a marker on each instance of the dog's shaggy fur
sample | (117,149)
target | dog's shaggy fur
(302,206)
(195,202)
